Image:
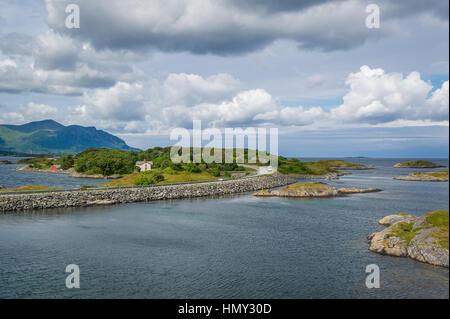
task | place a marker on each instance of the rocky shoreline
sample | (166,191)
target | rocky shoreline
(420,238)
(438,176)
(313,190)
(61,199)
(417,164)
(329,176)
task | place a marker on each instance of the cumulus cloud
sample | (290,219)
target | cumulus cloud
(374,98)
(377,97)
(191,89)
(54,51)
(16,43)
(122,102)
(56,64)
(30,112)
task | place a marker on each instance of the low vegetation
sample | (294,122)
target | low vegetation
(439,220)
(322,167)
(404,231)
(417,164)
(28,189)
(107,162)
(439,174)
(301,186)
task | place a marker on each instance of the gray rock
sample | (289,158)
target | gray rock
(422,247)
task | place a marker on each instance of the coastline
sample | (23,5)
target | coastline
(84,198)
(71,172)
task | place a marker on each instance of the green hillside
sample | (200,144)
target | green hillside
(51,137)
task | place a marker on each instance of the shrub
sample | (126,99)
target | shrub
(170,171)
(214,171)
(67,162)
(149,178)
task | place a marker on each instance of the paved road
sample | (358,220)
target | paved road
(261,170)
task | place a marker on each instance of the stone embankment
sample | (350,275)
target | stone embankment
(20,202)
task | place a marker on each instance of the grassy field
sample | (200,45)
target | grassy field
(440,173)
(440,219)
(129,180)
(28,189)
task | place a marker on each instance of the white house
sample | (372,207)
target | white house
(144,165)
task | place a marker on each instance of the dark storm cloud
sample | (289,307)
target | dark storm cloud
(230,27)
(271,6)
(403,8)
(216,27)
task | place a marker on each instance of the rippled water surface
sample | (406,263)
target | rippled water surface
(10,177)
(229,247)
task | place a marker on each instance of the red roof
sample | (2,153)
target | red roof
(53,168)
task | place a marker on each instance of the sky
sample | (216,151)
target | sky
(313,69)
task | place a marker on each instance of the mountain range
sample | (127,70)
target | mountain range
(50,137)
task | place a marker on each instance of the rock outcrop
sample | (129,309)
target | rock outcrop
(312,190)
(422,238)
(83,198)
(438,176)
(417,164)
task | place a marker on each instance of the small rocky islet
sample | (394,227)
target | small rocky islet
(312,190)
(437,176)
(418,164)
(424,238)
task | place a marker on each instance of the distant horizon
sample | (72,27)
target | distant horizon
(285,145)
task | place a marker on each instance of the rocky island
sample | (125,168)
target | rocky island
(424,238)
(417,164)
(437,176)
(312,190)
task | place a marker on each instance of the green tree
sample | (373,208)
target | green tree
(67,162)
